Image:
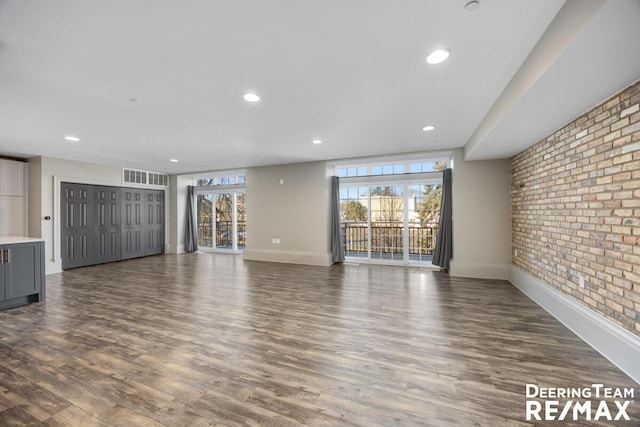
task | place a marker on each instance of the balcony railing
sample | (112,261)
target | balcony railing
(387,240)
(224,235)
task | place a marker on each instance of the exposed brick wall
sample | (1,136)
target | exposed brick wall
(575,205)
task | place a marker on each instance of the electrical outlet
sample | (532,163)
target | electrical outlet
(277,241)
(581,282)
(515,253)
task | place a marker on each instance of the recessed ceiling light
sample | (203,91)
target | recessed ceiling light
(427,128)
(72,138)
(251,97)
(317,141)
(438,56)
(471,6)
(173,160)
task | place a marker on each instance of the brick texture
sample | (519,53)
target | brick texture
(575,204)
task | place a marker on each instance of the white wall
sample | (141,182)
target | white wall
(14,196)
(177,210)
(481,218)
(35,199)
(52,173)
(291,203)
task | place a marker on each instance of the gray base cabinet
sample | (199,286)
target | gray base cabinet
(21,273)
(104,224)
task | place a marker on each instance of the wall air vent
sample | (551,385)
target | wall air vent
(158,179)
(132,176)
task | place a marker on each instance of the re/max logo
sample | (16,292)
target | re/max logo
(576,410)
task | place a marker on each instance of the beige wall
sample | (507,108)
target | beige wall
(290,203)
(481,217)
(576,209)
(297,211)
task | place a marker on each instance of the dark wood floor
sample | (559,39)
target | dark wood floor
(204,339)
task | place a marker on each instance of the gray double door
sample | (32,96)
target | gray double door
(104,224)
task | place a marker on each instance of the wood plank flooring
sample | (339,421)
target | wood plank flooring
(206,339)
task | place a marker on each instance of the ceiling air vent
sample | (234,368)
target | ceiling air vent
(132,176)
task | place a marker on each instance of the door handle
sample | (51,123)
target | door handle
(8,256)
(1,256)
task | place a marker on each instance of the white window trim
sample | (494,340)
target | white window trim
(409,178)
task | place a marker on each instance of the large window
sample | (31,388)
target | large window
(222,221)
(390,211)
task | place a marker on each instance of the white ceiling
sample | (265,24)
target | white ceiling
(349,72)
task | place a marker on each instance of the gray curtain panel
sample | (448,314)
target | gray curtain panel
(444,240)
(337,247)
(191,233)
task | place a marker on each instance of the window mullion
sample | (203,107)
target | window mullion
(234,222)
(405,225)
(369,228)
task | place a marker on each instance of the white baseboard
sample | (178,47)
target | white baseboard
(52,267)
(172,248)
(291,257)
(479,270)
(615,343)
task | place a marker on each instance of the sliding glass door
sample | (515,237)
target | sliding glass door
(387,212)
(355,225)
(221,220)
(205,211)
(393,222)
(423,216)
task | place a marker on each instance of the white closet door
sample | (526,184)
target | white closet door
(12,216)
